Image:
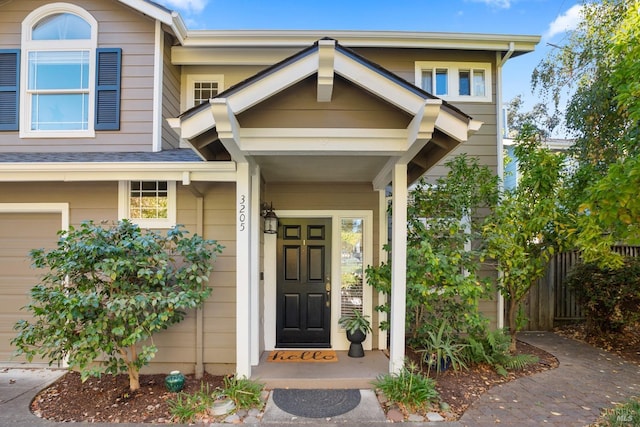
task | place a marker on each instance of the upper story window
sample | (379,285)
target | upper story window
(60,84)
(455,81)
(202,87)
(150,204)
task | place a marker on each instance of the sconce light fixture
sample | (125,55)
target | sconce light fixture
(270,219)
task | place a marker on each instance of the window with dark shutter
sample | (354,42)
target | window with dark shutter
(9,89)
(108,88)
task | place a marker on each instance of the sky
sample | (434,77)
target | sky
(550,19)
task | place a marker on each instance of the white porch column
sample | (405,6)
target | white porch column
(243,270)
(383,238)
(255,265)
(398,267)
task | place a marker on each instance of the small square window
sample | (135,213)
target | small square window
(150,204)
(203,91)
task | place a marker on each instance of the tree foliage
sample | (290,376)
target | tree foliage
(598,69)
(107,290)
(443,256)
(527,227)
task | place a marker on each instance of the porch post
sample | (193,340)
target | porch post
(398,267)
(255,267)
(243,270)
(383,239)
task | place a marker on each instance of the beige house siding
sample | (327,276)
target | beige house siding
(99,201)
(350,107)
(170,96)
(19,233)
(118,26)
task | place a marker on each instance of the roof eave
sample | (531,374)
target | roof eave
(397,39)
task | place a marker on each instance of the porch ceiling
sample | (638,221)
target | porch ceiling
(359,123)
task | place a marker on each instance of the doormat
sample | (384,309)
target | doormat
(316,403)
(321,356)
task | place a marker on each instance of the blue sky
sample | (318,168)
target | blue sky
(547,18)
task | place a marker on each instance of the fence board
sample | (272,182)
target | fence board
(551,302)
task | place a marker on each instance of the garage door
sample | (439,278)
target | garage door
(19,233)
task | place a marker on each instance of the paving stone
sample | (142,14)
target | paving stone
(434,417)
(395,416)
(415,418)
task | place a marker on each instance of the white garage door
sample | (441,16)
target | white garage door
(19,233)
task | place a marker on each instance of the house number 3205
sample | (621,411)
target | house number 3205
(242,213)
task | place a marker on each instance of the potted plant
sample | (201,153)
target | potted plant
(357,326)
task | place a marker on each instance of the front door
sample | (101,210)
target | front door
(304,287)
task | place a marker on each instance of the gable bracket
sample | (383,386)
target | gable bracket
(326,59)
(227,127)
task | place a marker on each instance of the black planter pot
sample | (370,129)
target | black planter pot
(356,339)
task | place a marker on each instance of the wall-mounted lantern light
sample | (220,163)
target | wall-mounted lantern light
(270,219)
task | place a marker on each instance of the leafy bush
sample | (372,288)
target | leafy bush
(408,387)
(444,260)
(610,297)
(107,290)
(493,349)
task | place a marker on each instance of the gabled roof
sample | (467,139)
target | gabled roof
(431,119)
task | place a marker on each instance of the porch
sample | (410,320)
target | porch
(347,372)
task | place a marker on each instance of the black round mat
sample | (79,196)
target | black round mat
(316,403)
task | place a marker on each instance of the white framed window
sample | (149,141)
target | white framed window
(57,72)
(202,87)
(458,82)
(150,204)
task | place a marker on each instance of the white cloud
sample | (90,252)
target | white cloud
(566,22)
(188,6)
(503,4)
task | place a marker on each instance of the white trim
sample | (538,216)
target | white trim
(398,268)
(399,39)
(171,171)
(28,45)
(124,194)
(383,238)
(338,336)
(453,79)
(255,265)
(244,315)
(158,71)
(500,169)
(61,208)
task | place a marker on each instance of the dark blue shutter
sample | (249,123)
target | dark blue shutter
(108,65)
(9,88)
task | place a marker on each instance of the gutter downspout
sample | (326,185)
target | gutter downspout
(199,370)
(500,61)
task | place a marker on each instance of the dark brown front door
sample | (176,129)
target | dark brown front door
(304,287)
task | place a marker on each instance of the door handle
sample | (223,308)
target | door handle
(327,288)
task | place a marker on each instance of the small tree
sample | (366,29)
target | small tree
(107,290)
(443,255)
(527,227)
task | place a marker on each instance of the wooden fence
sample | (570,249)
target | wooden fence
(551,302)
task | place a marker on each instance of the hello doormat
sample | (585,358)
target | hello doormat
(322,356)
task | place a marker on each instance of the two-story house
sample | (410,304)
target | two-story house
(113,109)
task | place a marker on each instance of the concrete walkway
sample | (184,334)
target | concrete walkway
(573,394)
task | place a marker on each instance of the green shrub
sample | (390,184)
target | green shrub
(440,349)
(408,387)
(493,349)
(610,297)
(244,392)
(185,407)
